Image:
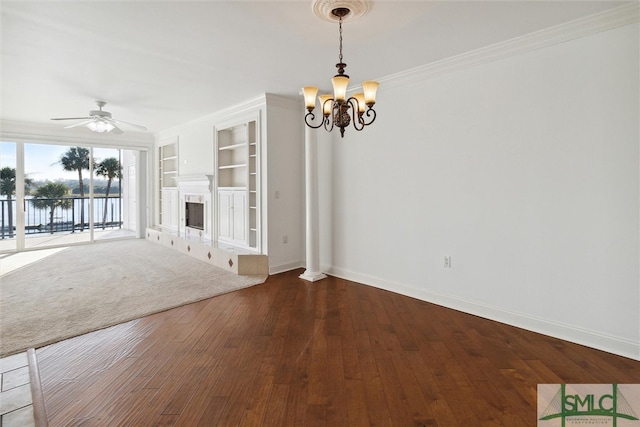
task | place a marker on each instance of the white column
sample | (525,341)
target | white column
(312,273)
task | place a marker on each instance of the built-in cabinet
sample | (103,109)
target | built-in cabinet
(232,205)
(238,182)
(167,188)
(169,208)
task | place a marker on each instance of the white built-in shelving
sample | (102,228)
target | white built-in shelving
(238,183)
(167,189)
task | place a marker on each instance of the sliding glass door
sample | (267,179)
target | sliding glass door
(109,216)
(57,208)
(72,194)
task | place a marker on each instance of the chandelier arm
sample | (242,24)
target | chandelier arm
(369,113)
(329,122)
(308,119)
(356,117)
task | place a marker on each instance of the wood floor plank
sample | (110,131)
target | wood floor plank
(278,403)
(394,393)
(318,368)
(256,407)
(214,407)
(337,412)
(328,353)
(316,416)
(357,412)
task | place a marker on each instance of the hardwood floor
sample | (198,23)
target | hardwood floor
(330,353)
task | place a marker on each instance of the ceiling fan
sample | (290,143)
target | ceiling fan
(100,121)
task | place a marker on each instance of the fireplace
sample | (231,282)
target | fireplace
(194,215)
(196,207)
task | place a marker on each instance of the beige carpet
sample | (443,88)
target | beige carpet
(89,287)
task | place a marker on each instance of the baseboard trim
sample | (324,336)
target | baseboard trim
(572,333)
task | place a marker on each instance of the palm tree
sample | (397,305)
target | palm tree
(109,168)
(8,188)
(77,159)
(51,196)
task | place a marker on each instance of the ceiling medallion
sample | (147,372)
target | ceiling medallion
(323,9)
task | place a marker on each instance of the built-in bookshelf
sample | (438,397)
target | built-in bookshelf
(167,186)
(168,155)
(252,185)
(238,177)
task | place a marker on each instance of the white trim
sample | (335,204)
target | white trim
(607,20)
(593,339)
(312,276)
(195,183)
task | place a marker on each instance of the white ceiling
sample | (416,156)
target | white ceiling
(163,63)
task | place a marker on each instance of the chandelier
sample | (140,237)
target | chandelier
(338,110)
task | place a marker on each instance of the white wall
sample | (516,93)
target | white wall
(525,170)
(195,146)
(284,194)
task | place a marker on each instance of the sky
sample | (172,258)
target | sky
(42,160)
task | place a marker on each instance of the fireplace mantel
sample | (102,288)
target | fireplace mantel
(195,183)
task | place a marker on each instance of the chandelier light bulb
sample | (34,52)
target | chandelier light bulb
(370,88)
(310,93)
(361,104)
(340,83)
(326,102)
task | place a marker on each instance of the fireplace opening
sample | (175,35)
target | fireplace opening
(194,214)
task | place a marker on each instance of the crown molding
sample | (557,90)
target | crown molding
(607,20)
(13,130)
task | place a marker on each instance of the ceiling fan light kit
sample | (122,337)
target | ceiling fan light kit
(338,110)
(100,121)
(100,127)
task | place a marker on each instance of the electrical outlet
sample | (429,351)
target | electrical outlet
(447,261)
(285,239)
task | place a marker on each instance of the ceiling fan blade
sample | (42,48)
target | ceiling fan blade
(78,124)
(116,130)
(72,118)
(100,118)
(131,124)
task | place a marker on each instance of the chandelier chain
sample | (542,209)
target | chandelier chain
(340,26)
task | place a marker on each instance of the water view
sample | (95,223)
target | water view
(69,214)
(57,184)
